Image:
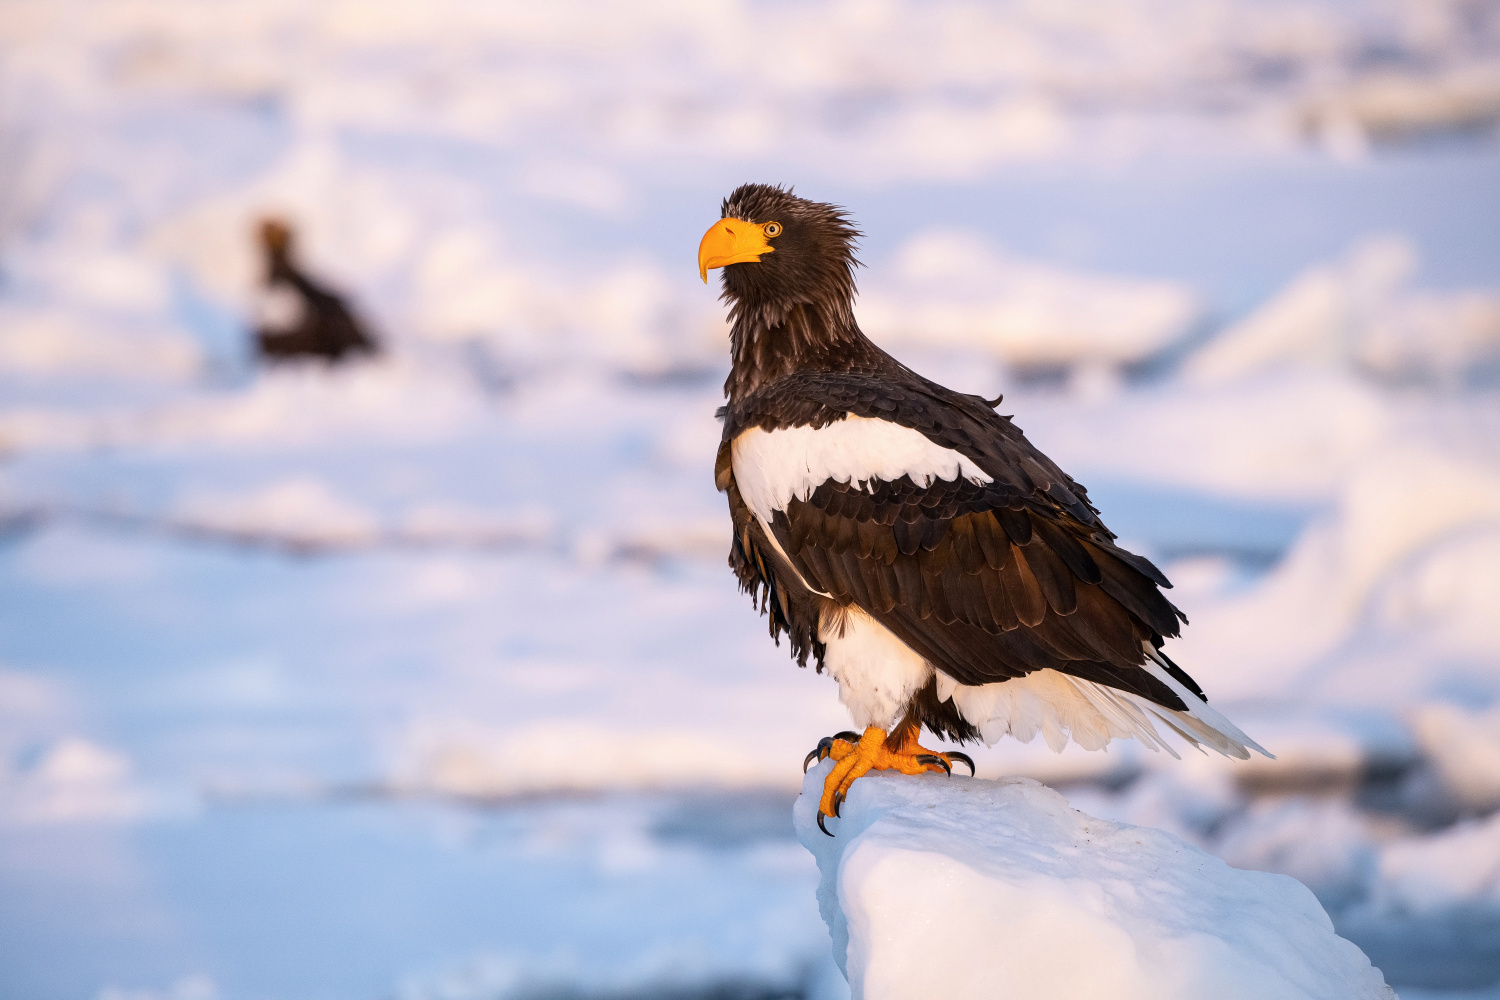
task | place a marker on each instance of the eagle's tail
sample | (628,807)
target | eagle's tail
(1201,724)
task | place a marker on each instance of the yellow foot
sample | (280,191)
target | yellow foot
(857,755)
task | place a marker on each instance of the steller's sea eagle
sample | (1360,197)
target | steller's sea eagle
(298,317)
(911,540)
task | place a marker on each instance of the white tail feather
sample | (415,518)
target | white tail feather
(1061,706)
(1205,720)
(1125,716)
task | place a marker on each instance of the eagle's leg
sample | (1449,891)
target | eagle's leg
(876,750)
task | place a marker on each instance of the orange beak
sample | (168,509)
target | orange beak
(731,241)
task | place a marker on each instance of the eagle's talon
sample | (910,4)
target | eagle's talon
(933,760)
(821,752)
(962,758)
(828,746)
(875,751)
(820,823)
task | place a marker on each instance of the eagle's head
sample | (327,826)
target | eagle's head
(778,249)
(275,236)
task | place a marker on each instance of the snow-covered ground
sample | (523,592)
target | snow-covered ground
(424,677)
(1041,900)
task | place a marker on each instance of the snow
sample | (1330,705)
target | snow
(425,675)
(952,288)
(1464,747)
(1415,893)
(936,886)
(1360,313)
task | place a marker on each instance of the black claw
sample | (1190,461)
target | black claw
(932,758)
(820,823)
(821,751)
(838,803)
(964,758)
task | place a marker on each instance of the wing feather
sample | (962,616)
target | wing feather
(987,580)
(1021,587)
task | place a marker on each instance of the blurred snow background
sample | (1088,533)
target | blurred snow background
(424,677)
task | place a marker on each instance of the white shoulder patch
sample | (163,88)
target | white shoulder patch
(280,308)
(773,468)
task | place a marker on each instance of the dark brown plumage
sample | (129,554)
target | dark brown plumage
(310,320)
(910,540)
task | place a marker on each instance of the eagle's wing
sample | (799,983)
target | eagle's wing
(989,575)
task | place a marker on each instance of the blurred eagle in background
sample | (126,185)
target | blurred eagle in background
(297,316)
(910,540)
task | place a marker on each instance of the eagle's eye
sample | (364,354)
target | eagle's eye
(773,229)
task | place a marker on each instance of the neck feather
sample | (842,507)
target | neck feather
(769,339)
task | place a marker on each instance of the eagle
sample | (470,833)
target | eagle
(910,540)
(297,316)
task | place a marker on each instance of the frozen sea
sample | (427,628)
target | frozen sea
(425,678)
